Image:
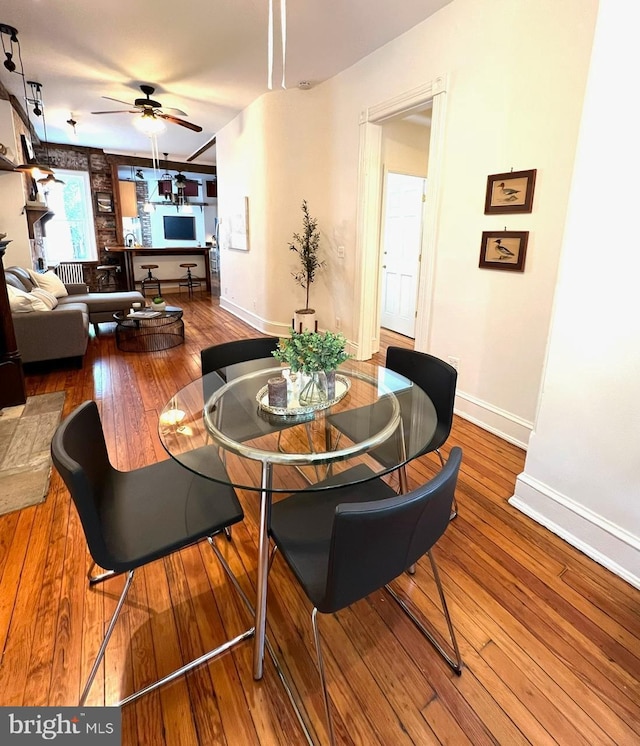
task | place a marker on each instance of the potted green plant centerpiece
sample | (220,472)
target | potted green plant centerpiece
(315,355)
(306,245)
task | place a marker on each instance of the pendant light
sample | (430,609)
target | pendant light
(31,165)
(271,45)
(36,89)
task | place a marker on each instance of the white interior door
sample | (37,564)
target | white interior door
(401,246)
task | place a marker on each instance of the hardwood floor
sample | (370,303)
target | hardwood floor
(550,640)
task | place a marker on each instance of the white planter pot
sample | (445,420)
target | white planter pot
(305,320)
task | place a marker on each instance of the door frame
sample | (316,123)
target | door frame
(369,217)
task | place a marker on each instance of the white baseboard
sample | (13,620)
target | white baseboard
(272,328)
(498,421)
(603,541)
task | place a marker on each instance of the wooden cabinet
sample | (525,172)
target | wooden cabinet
(12,387)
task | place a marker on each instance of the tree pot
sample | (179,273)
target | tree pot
(305,320)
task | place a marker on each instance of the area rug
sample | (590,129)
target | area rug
(25,460)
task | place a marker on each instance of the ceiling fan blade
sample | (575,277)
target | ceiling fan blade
(174,112)
(119,100)
(120,111)
(209,144)
(181,122)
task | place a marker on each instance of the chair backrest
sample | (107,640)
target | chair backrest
(436,378)
(79,453)
(218,357)
(374,542)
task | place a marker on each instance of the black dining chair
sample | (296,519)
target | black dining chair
(217,364)
(438,380)
(220,356)
(131,518)
(343,544)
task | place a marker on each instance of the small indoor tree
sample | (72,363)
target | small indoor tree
(306,245)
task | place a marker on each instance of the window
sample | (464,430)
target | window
(70,232)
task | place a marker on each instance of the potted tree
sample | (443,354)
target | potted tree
(306,245)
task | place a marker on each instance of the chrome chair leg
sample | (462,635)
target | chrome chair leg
(225,647)
(456,664)
(227,533)
(454,505)
(95,579)
(107,636)
(323,681)
(297,708)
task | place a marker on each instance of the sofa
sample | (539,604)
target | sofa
(61,331)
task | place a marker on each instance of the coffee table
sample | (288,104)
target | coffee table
(161,332)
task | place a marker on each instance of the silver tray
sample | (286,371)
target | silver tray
(295,409)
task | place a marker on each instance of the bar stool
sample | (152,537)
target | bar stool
(150,281)
(107,278)
(190,281)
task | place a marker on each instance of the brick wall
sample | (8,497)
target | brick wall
(96,163)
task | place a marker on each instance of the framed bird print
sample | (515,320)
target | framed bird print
(504,250)
(511,192)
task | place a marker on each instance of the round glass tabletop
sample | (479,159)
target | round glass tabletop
(383,421)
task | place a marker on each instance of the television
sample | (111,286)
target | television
(179,227)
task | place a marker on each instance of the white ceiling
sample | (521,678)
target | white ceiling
(206,57)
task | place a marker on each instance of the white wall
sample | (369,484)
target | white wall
(582,474)
(12,199)
(516,75)
(405,147)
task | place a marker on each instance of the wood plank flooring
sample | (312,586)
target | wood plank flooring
(550,640)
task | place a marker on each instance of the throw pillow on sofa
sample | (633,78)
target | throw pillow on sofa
(22,302)
(49,281)
(49,299)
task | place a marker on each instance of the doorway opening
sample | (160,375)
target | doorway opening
(410,105)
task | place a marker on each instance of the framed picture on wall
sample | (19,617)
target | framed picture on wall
(504,250)
(239,225)
(510,192)
(104,202)
(27,149)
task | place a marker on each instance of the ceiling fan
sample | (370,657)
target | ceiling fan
(151,111)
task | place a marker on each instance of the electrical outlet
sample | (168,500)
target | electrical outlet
(340,252)
(338,323)
(454,362)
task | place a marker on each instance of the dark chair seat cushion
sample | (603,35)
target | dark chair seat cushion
(302,524)
(149,512)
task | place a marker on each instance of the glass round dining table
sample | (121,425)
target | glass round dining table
(377,418)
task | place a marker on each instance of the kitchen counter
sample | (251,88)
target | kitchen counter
(149,253)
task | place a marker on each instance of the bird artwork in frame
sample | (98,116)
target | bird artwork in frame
(504,250)
(510,192)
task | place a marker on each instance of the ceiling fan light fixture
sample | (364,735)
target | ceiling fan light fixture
(149,124)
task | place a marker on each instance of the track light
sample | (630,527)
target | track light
(41,172)
(49,180)
(9,63)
